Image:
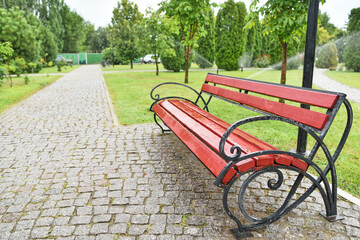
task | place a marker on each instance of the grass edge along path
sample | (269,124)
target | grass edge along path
(11,96)
(351,79)
(129,94)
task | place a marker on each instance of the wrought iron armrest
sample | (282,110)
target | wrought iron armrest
(236,150)
(157,97)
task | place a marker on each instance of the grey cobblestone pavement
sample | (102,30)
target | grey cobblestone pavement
(67,172)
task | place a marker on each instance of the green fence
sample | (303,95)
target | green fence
(94,58)
(83,57)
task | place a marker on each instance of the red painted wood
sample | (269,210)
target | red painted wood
(210,159)
(245,165)
(267,160)
(284,160)
(299,164)
(305,116)
(210,137)
(319,99)
(253,141)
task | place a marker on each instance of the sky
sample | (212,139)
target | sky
(100,12)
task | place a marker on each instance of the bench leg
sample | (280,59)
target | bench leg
(157,123)
(238,232)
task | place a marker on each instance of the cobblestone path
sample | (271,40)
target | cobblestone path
(67,172)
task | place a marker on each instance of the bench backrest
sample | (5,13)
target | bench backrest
(214,86)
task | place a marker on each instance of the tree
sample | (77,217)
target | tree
(74,34)
(175,61)
(192,17)
(89,31)
(50,13)
(287,19)
(6,52)
(352,52)
(230,35)
(14,28)
(124,29)
(205,53)
(354,20)
(158,29)
(45,38)
(327,56)
(99,40)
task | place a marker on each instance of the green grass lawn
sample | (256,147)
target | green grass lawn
(351,79)
(54,69)
(10,96)
(139,67)
(130,96)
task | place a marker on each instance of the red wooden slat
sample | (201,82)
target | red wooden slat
(305,116)
(247,142)
(210,159)
(243,135)
(319,99)
(211,138)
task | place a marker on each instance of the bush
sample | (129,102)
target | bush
(60,64)
(327,56)
(352,53)
(114,56)
(18,66)
(262,61)
(292,63)
(34,67)
(175,62)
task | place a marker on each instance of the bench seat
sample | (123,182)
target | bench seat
(195,126)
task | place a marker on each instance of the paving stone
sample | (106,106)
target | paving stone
(81,220)
(137,230)
(102,218)
(20,235)
(62,230)
(99,228)
(40,232)
(82,230)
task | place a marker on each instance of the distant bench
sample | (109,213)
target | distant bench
(228,152)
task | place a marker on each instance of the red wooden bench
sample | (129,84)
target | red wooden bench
(228,152)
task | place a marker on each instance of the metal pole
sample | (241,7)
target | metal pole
(309,58)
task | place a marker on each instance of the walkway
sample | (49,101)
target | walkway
(323,81)
(67,172)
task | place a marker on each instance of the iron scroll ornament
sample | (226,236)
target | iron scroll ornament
(328,194)
(157,97)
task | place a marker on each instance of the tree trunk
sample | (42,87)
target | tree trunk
(156,63)
(187,56)
(283,66)
(4,5)
(132,64)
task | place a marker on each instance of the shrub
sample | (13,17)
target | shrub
(26,79)
(352,53)
(34,67)
(292,63)
(60,64)
(327,56)
(262,61)
(18,66)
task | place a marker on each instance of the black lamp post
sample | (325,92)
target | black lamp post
(309,59)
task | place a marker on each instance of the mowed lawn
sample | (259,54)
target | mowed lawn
(139,67)
(351,79)
(130,96)
(12,95)
(54,69)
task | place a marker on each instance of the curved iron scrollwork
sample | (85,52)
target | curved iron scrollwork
(328,193)
(273,184)
(157,97)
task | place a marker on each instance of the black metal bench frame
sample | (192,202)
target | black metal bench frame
(327,190)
